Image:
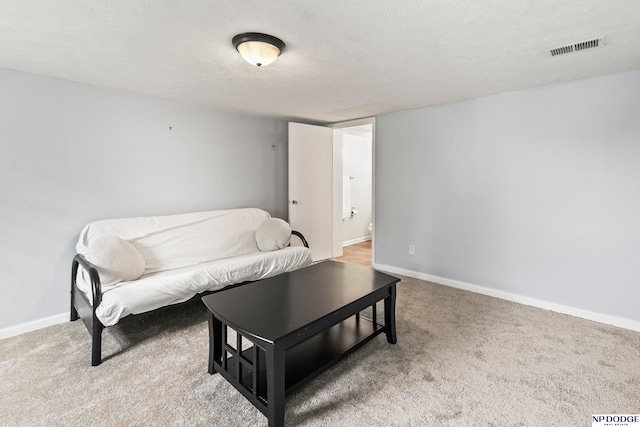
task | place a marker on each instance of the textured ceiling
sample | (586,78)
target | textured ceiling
(344,59)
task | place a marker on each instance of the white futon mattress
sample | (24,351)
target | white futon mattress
(156,290)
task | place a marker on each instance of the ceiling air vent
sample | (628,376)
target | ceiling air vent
(575,47)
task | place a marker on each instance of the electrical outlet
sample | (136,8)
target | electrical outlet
(412,250)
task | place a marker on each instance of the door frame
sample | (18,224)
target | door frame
(372,122)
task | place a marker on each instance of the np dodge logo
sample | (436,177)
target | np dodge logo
(615,420)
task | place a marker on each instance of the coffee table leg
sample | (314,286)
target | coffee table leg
(275,385)
(390,315)
(215,341)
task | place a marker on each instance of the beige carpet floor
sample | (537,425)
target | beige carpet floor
(462,359)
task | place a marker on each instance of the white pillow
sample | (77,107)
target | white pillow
(273,234)
(115,259)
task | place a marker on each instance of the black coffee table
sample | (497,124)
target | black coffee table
(299,324)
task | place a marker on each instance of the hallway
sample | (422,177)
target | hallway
(359,253)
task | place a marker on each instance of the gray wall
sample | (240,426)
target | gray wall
(534,192)
(72,153)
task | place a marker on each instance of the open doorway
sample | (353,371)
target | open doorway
(317,205)
(358,253)
(355,234)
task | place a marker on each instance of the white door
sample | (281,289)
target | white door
(311,182)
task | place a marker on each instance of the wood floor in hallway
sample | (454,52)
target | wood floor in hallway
(359,253)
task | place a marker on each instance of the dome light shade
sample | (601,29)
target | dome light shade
(258,49)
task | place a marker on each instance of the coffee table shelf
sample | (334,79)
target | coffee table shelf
(304,361)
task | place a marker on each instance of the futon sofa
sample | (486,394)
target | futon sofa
(135,265)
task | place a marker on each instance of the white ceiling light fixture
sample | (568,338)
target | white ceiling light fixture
(258,49)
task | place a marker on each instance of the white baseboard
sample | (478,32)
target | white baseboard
(621,322)
(23,328)
(354,241)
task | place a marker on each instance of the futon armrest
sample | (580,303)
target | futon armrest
(96,287)
(304,241)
